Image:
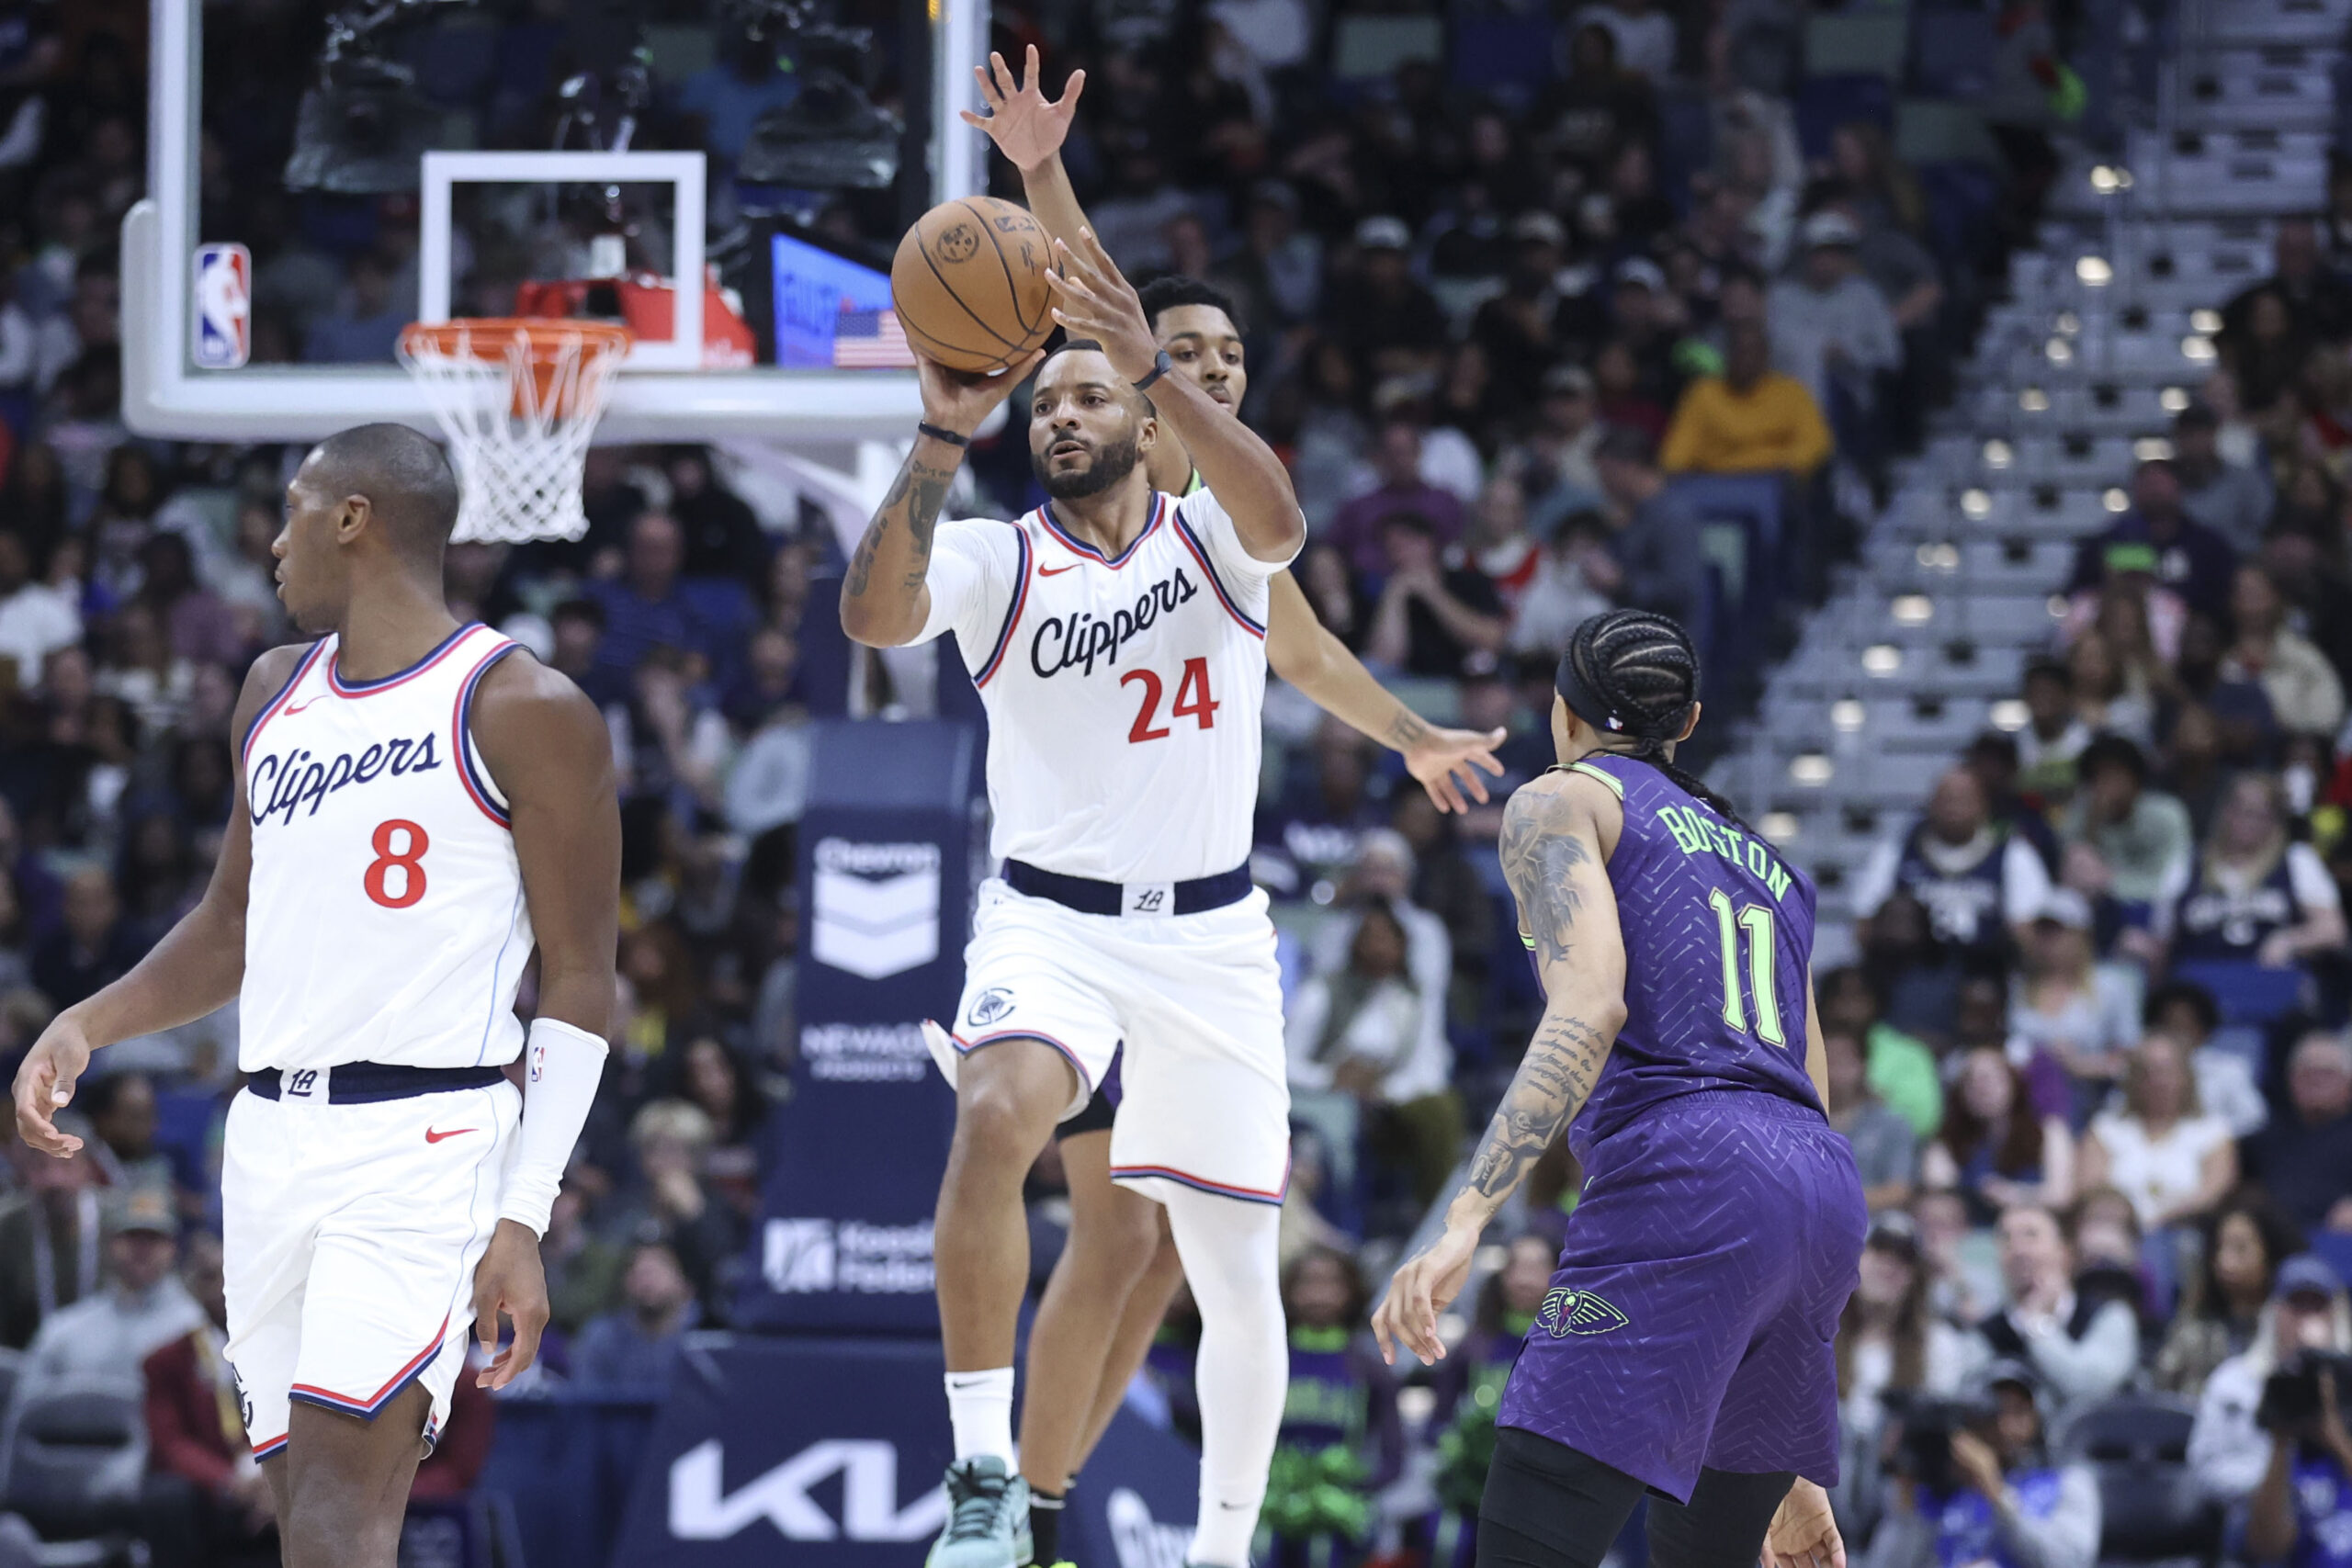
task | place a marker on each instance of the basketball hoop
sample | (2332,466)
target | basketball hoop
(518,400)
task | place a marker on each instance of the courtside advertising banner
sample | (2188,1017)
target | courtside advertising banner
(843,1243)
(827,1453)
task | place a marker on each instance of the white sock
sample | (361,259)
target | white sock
(1243,1368)
(979,1404)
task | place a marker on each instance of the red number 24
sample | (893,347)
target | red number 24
(1192,700)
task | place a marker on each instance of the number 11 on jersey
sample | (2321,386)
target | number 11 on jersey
(1756,919)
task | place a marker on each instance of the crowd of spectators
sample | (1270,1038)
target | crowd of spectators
(1491,331)
(2117,931)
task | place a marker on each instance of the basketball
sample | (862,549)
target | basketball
(970,284)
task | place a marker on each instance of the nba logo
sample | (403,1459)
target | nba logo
(224,299)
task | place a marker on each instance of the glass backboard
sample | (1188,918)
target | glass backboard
(325,176)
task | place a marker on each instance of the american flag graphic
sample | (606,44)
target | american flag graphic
(871,340)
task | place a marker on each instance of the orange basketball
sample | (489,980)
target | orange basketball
(970,284)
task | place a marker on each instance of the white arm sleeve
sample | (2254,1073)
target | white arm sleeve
(566,1064)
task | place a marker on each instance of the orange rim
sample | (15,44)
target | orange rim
(488,337)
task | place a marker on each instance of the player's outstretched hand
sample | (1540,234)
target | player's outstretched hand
(1424,1287)
(45,1085)
(1803,1532)
(1447,762)
(959,399)
(1095,300)
(509,1280)
(1025,128)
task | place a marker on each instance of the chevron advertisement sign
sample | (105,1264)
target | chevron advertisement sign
(876,906)
(884,868)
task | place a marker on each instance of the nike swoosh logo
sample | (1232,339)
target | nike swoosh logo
(290,710)
(1055,571)
(433,1137)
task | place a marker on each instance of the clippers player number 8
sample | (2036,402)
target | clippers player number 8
(409,861)
(383,1182)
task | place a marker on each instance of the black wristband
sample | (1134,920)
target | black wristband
(937,433)
(1159,367)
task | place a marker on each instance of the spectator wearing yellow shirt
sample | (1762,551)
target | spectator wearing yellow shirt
(1750,419)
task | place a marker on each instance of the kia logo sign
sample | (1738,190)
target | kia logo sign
(1141,1540)
(701,1508)
(876,906)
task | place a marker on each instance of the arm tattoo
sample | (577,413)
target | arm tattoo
(1406,730)
(1541,854)
(861,565)
(1555,1078)
(915,498)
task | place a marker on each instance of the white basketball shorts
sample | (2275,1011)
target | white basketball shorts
(1189,1007)
(350,1233)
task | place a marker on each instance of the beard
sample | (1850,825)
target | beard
(1112,464)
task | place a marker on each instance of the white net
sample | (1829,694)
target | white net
(518,400)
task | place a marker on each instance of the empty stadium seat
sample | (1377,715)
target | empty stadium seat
(2151,1507)
(72,1453)
(72,1443)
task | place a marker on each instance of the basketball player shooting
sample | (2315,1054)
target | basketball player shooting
(1116,635)
(1112,1285)
(1196,324)
(419,805)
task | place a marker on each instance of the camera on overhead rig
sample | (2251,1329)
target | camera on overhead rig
(832,136)
(362,125)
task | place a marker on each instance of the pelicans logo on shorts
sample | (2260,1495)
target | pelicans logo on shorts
(989,1006)
(1576,1312)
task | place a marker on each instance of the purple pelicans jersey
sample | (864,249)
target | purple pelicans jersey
(1691,1321)
(1718,933)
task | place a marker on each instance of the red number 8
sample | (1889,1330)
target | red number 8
(409,860)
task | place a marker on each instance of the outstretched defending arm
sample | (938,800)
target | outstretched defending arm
(1302,650)
(195,970)
(549,751)
(1029,129)
(1552,854)
(1093,299)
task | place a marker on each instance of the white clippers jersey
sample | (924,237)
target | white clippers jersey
(1123,695)
(385,921)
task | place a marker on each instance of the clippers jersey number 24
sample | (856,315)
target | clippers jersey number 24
(1192,701)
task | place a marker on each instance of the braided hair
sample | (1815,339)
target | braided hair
(1634,673)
